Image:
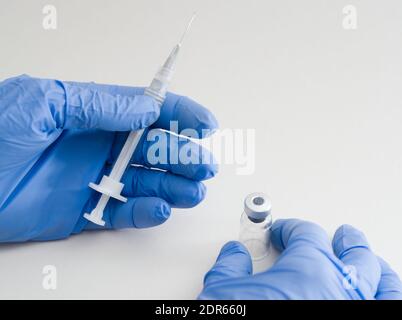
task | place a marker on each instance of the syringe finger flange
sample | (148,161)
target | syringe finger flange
(110,187)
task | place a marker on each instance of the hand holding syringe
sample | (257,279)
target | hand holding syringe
(110,186)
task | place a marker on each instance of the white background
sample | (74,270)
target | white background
(326,104)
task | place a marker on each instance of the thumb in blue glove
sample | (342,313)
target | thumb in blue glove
(308,268)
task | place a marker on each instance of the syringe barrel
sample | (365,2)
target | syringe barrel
(126,154)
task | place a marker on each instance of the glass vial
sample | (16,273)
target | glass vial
(255,225)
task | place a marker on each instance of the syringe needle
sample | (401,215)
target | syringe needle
(187,28)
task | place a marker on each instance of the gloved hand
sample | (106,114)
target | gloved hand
(56,137)
(308,268)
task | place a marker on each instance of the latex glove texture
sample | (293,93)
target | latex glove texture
(56,137)
(309,267)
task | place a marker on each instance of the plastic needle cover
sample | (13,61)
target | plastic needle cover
(110,186)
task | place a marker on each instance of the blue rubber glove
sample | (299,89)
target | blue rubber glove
(308,268)
(56,137)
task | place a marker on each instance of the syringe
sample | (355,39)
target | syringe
(110,186)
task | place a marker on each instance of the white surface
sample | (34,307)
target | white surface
(326,104)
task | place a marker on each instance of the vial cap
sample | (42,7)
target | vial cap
(257,206)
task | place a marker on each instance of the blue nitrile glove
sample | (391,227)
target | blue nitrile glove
(308,268)
(56,137)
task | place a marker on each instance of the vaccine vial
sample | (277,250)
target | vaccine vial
(255,225)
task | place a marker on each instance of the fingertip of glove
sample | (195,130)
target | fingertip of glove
(205,171)
(207,123)
(347,237)
(233,247)
(150,213)
(196,193)
(162,212)
(194,115)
